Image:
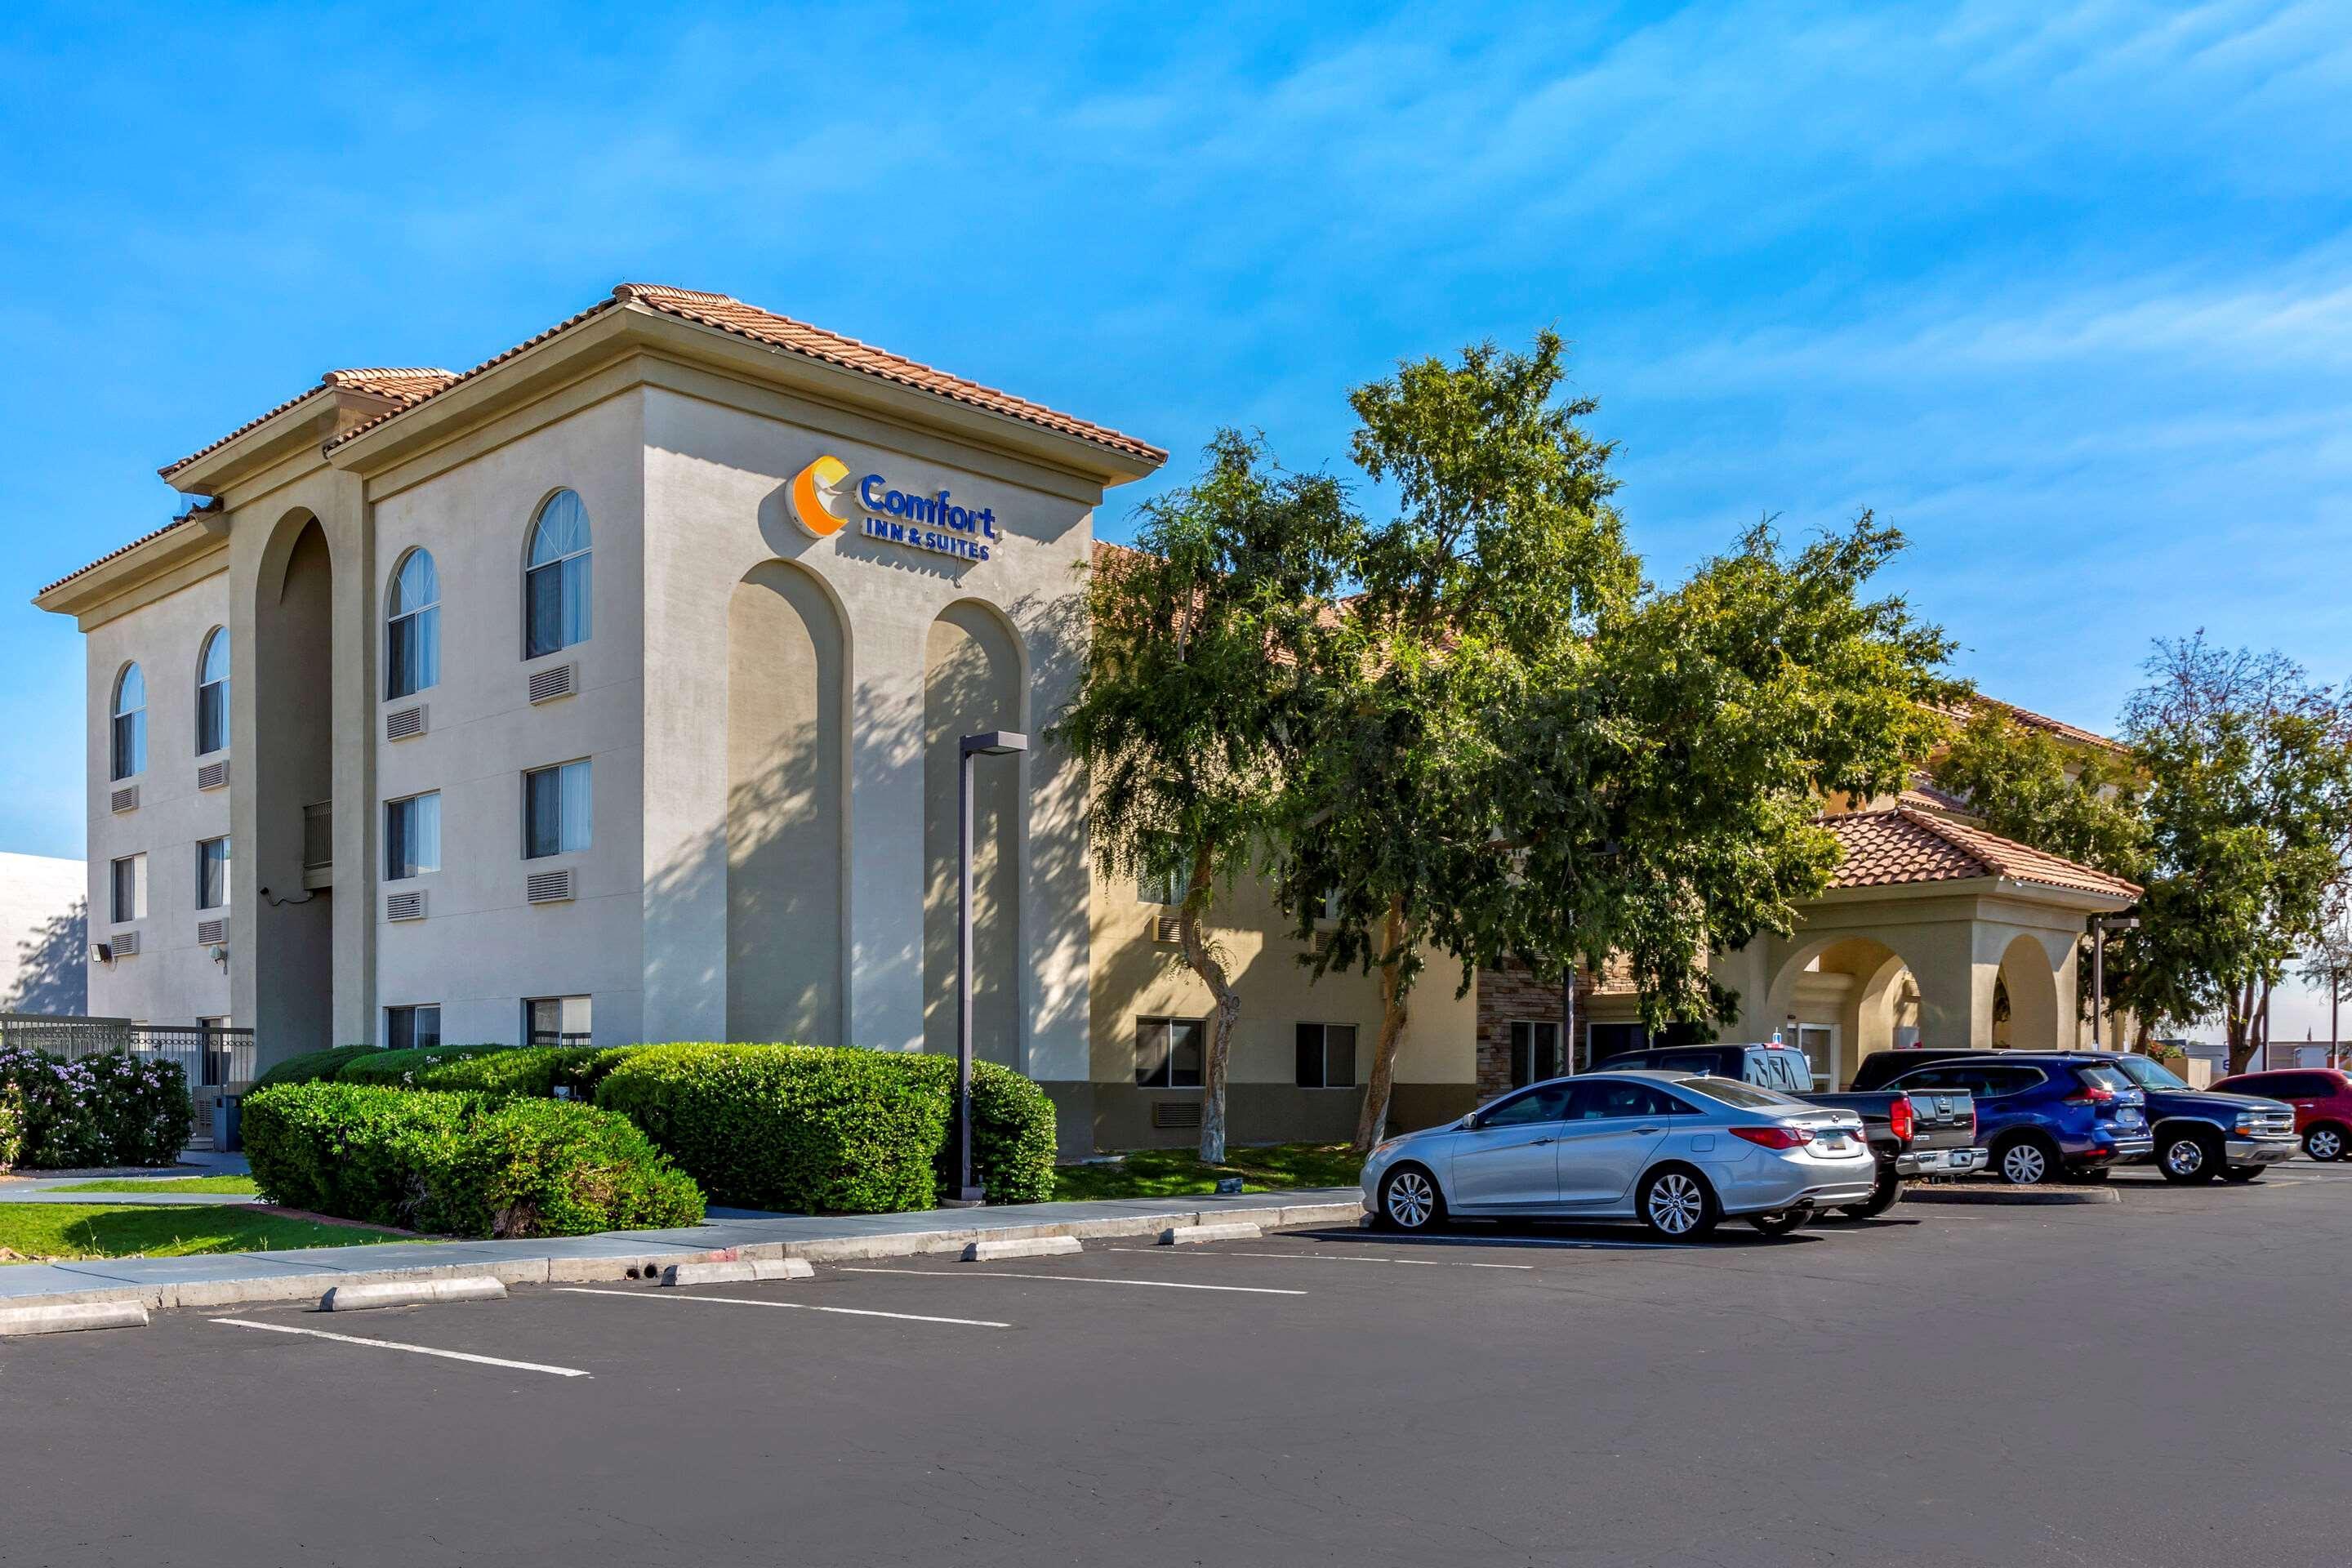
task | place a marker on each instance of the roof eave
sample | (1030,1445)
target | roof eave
(311,420)
(190,539)
(627,326)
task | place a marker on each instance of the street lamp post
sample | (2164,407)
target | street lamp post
(2100,927)
(995,743)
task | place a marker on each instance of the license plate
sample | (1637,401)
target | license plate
(2130,1118)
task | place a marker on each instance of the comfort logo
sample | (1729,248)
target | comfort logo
(815,489)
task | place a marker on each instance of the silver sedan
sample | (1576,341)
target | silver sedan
(1676,1152)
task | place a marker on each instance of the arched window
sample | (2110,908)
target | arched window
(130,722)
(555,577)
(412,649)
(211,693)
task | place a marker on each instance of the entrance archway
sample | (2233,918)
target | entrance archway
(2026,1004)
(293,782)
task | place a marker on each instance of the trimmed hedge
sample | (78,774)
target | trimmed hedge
(460,1164)
(109,1109)
(404,1069)
(536,1070)
(312,1066)
(832,1128)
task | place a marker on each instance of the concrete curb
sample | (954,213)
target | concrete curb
(71,1317)
(1223,1230)
(742,1271)
(412,1293)
(236,1280)
(2011,1198)
(1021,1246)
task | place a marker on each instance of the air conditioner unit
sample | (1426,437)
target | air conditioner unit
(402,723)
(127,798)
(408,906)
(125,944)
(1167,929)
(548,886)
(1175,1114)
(211,933)
(212,775)
(556,680)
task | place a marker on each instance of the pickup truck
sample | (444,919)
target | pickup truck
(1911,1134)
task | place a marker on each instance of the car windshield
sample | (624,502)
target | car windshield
(1731,1091)
(2107,1076)
(2146,1073)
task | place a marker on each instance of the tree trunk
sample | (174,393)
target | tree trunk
(1382,1080)
(1225,1010)
(2242,1026)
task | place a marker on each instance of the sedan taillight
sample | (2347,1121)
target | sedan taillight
(1775,1137)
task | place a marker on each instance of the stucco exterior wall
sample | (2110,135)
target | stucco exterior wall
(171,980)
(481,949)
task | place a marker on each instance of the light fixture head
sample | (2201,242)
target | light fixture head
(995,743)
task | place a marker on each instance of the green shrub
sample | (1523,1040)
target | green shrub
(459,1164)
(787,1127)
(534,1070)
(12,1124)
(113,1109)
(399,1068)
(314,1067)
(838,1130)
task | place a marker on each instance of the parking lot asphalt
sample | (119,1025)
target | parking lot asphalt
(2150,1382)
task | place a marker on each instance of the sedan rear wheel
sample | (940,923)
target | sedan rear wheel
(1410,1200)
(1676,1203)
(2324,1143)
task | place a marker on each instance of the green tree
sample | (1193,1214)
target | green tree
(1200,644)
(2249,807)
(1521,751)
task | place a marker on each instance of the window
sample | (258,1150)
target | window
(412,836)
(130,722)
(412,645)
(556,1021)
(1535,1053)
(412,1029)
(556,809)
(1608,1040)
(1169,1052)
(555,577)
(212,874)
(1168,889)
(1327,1056)
(2147,1074)
(1548,1103)
(130,889)
(1602,1100)
(211,693)
(1731,1091)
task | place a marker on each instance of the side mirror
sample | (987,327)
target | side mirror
(1471,1123)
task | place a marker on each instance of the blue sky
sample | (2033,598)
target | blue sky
(2064,290)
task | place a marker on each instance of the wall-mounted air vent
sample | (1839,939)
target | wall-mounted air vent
(402,723)
(408,905)
(212,775)
(127,798)
(1176,1114)
(548,886)
(211,933)
(124,942)
(547,684)
(1167,929)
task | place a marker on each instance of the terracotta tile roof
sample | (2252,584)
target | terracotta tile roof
(1904,845)
(1923,794)
(191,519)
(731,315)
(407,387)
(2041,722)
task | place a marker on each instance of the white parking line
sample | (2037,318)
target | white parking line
(396,1345)
(1319,1258)
(1081,1279)
(795,1305)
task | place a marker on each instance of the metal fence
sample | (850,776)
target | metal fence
(212,1058)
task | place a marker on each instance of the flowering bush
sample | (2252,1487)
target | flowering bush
(109,1110)
(12,1124)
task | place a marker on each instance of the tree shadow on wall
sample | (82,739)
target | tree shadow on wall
(52,968)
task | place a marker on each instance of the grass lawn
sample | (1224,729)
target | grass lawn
(159,1184)
(1178,1172)
(37,1231)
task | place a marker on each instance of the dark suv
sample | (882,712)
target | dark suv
(2043,1114)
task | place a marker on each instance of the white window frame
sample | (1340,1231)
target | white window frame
(555,564)
(118,765)
(1168,1062)
(415,1010)
(216,637)
(137,864)
(393,873)
(563,1034)
(396,611)
(228,863)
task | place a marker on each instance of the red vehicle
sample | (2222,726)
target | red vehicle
(2322,1098)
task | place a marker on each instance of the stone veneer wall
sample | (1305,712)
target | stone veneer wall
(1507,997)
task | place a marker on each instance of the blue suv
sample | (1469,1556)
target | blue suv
(2043,1114)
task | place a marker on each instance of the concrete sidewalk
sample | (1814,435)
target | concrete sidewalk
(228,1280)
